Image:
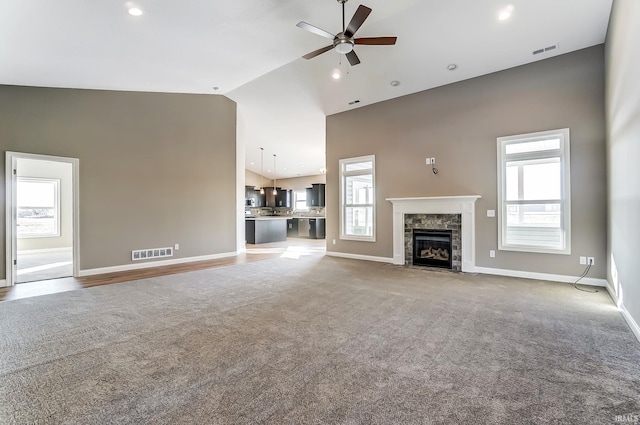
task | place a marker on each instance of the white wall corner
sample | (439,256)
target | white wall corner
(623,310)
(3,283)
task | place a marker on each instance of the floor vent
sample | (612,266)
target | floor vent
(145,254)
(546,49)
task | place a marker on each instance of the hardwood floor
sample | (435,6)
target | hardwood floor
(290,248)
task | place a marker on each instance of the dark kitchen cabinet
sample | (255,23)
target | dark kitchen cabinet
(259,231)
(292,228)
(283,198)
(303,227)
(270,198)
(315,195)
(253,197)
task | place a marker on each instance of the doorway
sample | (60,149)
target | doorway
(42,230)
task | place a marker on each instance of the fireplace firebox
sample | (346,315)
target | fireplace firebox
(432,248)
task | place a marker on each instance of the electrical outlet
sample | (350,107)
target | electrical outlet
(591,261)
(334,241)
(492,253)
(177,246)
(583,261)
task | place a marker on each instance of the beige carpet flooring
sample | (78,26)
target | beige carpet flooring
(318,340)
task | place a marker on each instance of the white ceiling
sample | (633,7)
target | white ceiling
(251,50)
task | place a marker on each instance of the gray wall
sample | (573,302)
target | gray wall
(623,151)
(253,179)
(302,182)
(53,170)
(458,124)
(295,183)
(155,168)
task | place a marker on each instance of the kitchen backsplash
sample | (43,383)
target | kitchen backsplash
(279,211)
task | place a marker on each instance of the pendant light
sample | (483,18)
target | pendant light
(275,180)
(261,171)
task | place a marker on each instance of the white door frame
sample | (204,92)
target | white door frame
(11,186)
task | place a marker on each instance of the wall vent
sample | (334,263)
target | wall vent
(546,49)
(146,254)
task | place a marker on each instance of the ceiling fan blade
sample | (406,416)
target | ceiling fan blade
(353,58)
(357,20)
(317,52)
(315,30)
(376,41)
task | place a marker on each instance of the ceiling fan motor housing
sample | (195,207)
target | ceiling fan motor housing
(342,44)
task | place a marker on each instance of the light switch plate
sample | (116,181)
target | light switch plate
(491,213)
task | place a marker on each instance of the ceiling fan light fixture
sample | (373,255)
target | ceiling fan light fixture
(336,74)
(344,47)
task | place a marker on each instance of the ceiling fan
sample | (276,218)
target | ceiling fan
(343,42)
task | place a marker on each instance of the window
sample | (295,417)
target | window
(38,207)
(300,200)
(357,198)
(534,192)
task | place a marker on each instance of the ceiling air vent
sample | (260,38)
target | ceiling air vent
(353,102)
(546,49)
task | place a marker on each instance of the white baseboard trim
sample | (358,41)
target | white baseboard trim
(623,310)
(3,283)
(541,276)
(45,250)
(127,267)
(360,257)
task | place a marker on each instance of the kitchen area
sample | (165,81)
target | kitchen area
(273,214)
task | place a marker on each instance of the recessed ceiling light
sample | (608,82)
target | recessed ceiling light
(395,83)
(134,11)
(505,13)
(452,67)
(252,163)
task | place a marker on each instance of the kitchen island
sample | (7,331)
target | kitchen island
(265,229)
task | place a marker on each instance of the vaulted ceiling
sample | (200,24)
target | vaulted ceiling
(250,51)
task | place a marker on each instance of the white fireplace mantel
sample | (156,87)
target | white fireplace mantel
(463,205)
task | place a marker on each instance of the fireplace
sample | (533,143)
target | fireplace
(456,213)
(432,248)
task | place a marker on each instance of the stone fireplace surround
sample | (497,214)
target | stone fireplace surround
(433,222)
(463,205)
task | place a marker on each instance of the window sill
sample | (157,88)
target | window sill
(357,238)
(535,250)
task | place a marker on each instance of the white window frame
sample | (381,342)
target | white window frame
(56,207)
(343,205)
(563,153)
